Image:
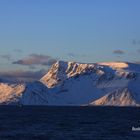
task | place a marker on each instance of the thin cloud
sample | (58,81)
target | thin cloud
(71,55)
(18,50)
(119,52)
(35,59)
(6,57)
(23,76)
(76,55)
(50,62)
(32,67)
(138,50)
(135,42)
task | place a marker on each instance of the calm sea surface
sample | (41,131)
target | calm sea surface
(68,123)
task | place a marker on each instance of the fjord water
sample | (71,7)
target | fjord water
(69,123)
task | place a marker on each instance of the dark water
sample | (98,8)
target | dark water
(68,123)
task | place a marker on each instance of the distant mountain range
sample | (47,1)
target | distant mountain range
(77,84)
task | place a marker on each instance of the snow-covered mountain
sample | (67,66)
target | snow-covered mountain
(10,93)
(119,97)
(71,83)
(80,84)
(26,94)
(35,94)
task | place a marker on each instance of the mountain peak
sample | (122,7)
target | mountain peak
(119,97)
(62,70)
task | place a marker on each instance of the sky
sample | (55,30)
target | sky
(34,34)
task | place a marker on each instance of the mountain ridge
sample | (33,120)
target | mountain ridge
(72,83)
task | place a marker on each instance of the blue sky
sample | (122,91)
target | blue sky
(72,30)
